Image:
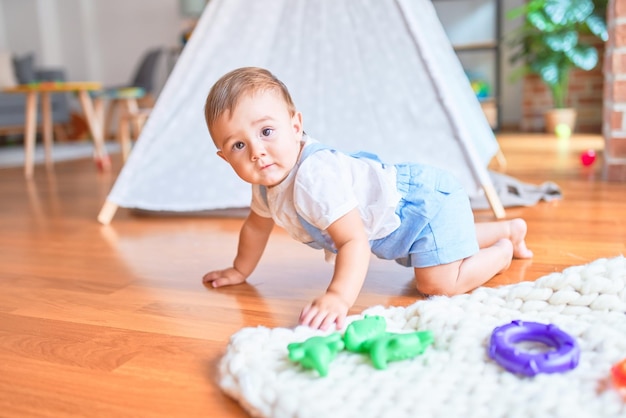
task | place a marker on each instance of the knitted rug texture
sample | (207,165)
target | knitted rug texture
(455,377)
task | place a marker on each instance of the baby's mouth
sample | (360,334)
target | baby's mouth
(264,166)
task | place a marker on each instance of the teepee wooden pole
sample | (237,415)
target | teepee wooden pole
(107,212)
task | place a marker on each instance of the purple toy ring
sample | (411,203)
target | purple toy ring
(503,349)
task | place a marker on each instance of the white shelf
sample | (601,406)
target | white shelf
(476,46)
(474,28)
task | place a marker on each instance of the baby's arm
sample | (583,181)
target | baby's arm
(252,240)
(351,264)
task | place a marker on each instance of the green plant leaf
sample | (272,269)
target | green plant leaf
(597,26)
(539,20)
(561,41)
(564,12)
(548,70)
(583,56)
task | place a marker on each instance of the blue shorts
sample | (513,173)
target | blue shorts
(437,223)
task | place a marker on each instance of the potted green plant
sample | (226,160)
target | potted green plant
(551,42)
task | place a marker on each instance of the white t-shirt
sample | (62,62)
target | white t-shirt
(326,186)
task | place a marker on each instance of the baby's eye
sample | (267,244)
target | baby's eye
(238,146)
(267,131)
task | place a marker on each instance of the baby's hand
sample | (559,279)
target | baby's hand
(226,277)
(324,311)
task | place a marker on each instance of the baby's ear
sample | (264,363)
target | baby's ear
(296,121)
(221,155)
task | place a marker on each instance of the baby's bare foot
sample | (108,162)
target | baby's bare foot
(518,236)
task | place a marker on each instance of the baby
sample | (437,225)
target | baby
(348,205)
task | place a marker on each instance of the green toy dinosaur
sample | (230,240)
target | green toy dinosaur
(395,346)
(316,352)
(362,331)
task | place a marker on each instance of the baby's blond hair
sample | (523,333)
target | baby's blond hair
(232,86)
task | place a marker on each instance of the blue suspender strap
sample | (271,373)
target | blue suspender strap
(311,149)
(318,146)
(369,156)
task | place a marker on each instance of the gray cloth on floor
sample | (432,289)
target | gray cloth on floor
(513,192)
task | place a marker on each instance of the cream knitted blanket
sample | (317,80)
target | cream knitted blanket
(455,376)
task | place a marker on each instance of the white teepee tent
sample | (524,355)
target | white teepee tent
(373,75)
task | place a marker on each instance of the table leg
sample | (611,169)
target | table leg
(123,134)
(99,108)
(30,129)
(95,127)
(46,114)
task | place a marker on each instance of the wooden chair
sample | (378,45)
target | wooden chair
(131,118)
(119,97)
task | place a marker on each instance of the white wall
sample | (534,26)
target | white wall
(3,36)
(21,26)
(127,28)
(99,40)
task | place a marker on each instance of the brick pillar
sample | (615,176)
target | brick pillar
(614,114)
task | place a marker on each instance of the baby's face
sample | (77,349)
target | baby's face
(259,139)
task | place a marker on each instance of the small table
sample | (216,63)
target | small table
(125,101)
(90,110)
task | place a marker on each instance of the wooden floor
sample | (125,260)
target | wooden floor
(114,321)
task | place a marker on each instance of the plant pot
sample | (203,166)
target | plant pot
(556,117)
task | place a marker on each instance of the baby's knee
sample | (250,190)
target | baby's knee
(438,280)
(435,289)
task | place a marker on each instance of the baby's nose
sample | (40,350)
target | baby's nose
(257,150)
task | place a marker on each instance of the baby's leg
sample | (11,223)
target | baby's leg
(488,233)
(465,275)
